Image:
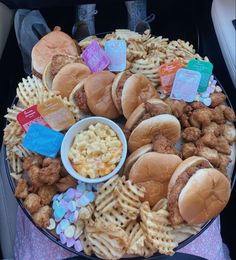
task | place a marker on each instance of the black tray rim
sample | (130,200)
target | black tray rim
(54,239)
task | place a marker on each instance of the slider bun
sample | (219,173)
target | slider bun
(187,163)
(98,91)
(137,89)
(153,171)
(55,42)
(167,125)
(133,157)
(140,110)
(204,196)
(113,90)
(68,77)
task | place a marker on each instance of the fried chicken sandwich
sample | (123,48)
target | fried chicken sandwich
(196,192)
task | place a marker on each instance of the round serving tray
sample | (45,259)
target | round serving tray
(54,238)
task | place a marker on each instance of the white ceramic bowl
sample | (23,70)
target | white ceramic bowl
(83,125)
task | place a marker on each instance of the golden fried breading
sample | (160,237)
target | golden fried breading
(63,171)
(229,114)
(34,178)
(42,216)
(162,145)
(212,128)
(224,162)
(209,139)
(46,193)
(217,99)
(184,121)
(60,60)
(188,110)
(50,173)
(229,132)
(188,150)
(197,105)
(65,183)
(210,154)
(201,117)
(191,134)
(218,115)
(32,203)
(36,160)
(222,145)
(21,191)
(177,106)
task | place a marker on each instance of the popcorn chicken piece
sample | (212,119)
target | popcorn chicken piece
(34,178)
(191,134)
(229,132)
(217,99)
(21,191)
(229,114)
(46,193)
(212,128)
(65,183)
(36,160)
(188,150)
(209,139)
(42,216)
(32,203)
(50,173)
(222,145)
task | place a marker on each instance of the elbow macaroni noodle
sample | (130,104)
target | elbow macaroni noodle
(95,152)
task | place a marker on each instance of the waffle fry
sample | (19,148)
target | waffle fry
(128,197)
(12,113)
(183,231)
(136,239)
(73,108)
(86,212)
(113,216)
(31,91)
(161,204)
(86,244)
(149,68)
(12,134)
(157,229)
(86,41)
(107,241)
(127,35)
(135,50)
(105,199)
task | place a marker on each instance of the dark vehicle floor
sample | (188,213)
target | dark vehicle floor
(188,20)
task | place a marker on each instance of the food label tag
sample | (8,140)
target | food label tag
(43,140)
(185,85)
(95,57)
(56,114)
(116,51)
(205,68)
(30,116)
(167,75)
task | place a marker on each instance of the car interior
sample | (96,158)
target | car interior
(207,24)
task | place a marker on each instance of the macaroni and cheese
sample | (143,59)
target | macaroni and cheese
(95,152)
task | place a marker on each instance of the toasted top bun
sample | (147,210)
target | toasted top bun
(133,157)
(119,82)
(68,77)
(153,171)
(98,91)
(189,162)
(167,125)
(55,42)
(141,110)
(137,89)
(204,196)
